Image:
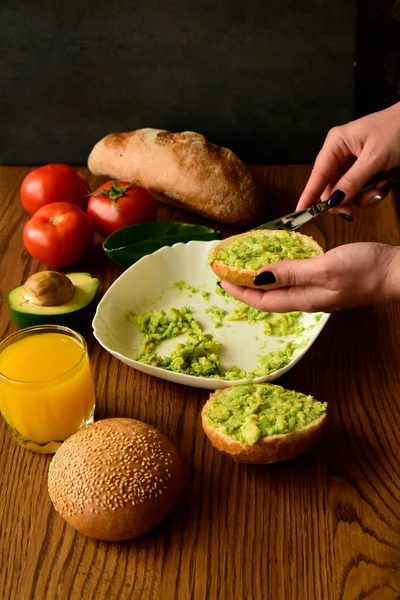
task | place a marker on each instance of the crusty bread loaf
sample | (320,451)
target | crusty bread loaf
(245,277)
(183,169)
(115,479)
(270,449)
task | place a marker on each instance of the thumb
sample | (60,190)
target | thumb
(287,273)
(356,177)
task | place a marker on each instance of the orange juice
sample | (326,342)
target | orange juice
(46,387)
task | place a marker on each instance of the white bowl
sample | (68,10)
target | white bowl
(149,285)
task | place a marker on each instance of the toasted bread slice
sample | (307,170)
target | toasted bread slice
(268,449)
(245,276)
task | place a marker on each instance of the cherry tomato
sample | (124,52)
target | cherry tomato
(53,183)
(58,234)
(117,204)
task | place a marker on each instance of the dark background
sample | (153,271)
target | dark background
(266,78)
(378,55)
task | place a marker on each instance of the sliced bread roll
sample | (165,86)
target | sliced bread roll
(262,423)
(238,258)
(183,169)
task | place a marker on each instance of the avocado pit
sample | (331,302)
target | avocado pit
(48,288)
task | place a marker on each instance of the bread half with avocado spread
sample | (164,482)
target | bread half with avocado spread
(262,423)
(238,258)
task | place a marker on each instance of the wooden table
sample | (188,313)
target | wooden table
(325,526)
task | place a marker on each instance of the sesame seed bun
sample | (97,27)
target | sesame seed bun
(115,479)
(268,449)
(245,277)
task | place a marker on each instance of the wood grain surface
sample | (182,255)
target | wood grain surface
(325,526)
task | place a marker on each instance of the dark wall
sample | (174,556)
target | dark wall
(378,55)
(267,78)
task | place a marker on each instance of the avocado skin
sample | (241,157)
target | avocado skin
(75,320)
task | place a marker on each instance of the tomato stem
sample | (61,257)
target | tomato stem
(114,193)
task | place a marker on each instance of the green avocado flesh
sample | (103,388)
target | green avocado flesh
(71,313)
(274,323)
(248,413)
(198,355)
(254,251)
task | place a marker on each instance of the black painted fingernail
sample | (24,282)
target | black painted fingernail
(219,283)
(345,217)
(336,198)
(264,278)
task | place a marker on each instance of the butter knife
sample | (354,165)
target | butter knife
(295,220)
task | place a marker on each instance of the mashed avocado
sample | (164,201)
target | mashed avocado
(254,251)
(199,354)
(196,357)
(156,326)
(272,361)
(243,312)
(273,323)
(182,285)
(217,315)
(283,324)
(250,412)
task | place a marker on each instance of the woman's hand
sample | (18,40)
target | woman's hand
(351,155)
(345,277)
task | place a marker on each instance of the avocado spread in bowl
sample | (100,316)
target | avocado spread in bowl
(167,317)
(255,250)
(248,413)
(198,353)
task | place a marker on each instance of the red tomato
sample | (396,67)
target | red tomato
(116,204)
(53,183)
(59,234)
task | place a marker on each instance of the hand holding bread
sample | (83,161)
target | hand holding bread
(238,258)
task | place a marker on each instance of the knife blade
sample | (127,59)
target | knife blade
(297,219)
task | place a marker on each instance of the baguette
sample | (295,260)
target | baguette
(268,449)
(182,169)
(244,276)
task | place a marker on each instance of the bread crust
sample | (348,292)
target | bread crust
(183,169)
(245,277)
(269,449)
(101,505)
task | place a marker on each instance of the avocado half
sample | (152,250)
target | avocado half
(71,314)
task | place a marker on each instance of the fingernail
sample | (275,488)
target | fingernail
(345,217)
(219,283)
(264,278)
(337,197)
(375,199)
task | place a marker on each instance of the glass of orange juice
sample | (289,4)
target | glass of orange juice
(46,386)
